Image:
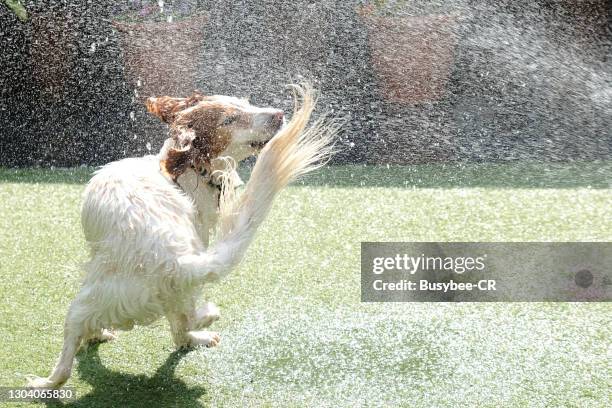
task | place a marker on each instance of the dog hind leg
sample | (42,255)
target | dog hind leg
(74,333)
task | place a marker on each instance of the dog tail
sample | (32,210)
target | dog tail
(292,152)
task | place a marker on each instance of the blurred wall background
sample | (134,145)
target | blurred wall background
(418,81)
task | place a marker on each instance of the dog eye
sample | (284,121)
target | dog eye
(230,120)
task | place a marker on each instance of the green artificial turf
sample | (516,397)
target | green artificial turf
(294,332)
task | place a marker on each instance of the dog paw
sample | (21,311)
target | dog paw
(40,382)
(206,315)
(204,338)
(104,336)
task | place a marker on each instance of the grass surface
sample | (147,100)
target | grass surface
(294,331)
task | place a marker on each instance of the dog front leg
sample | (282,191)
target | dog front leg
(178,329)
(102,336)
(183,338)
(204,316)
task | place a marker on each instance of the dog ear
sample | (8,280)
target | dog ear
(166,107)
(177,161)
(201,127)
(197,139)
(180,154)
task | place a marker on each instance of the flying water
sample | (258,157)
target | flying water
(455,82)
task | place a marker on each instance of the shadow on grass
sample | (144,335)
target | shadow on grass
(518,174)
(112,388)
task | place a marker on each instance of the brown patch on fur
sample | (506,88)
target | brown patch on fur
(166,107)
(206,138)
(176,162)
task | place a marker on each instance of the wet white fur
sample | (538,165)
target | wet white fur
(148,257)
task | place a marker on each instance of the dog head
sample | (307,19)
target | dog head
(206,127)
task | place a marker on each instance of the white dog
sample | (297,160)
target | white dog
(147,220)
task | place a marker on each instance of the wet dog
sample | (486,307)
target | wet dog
(147,220)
